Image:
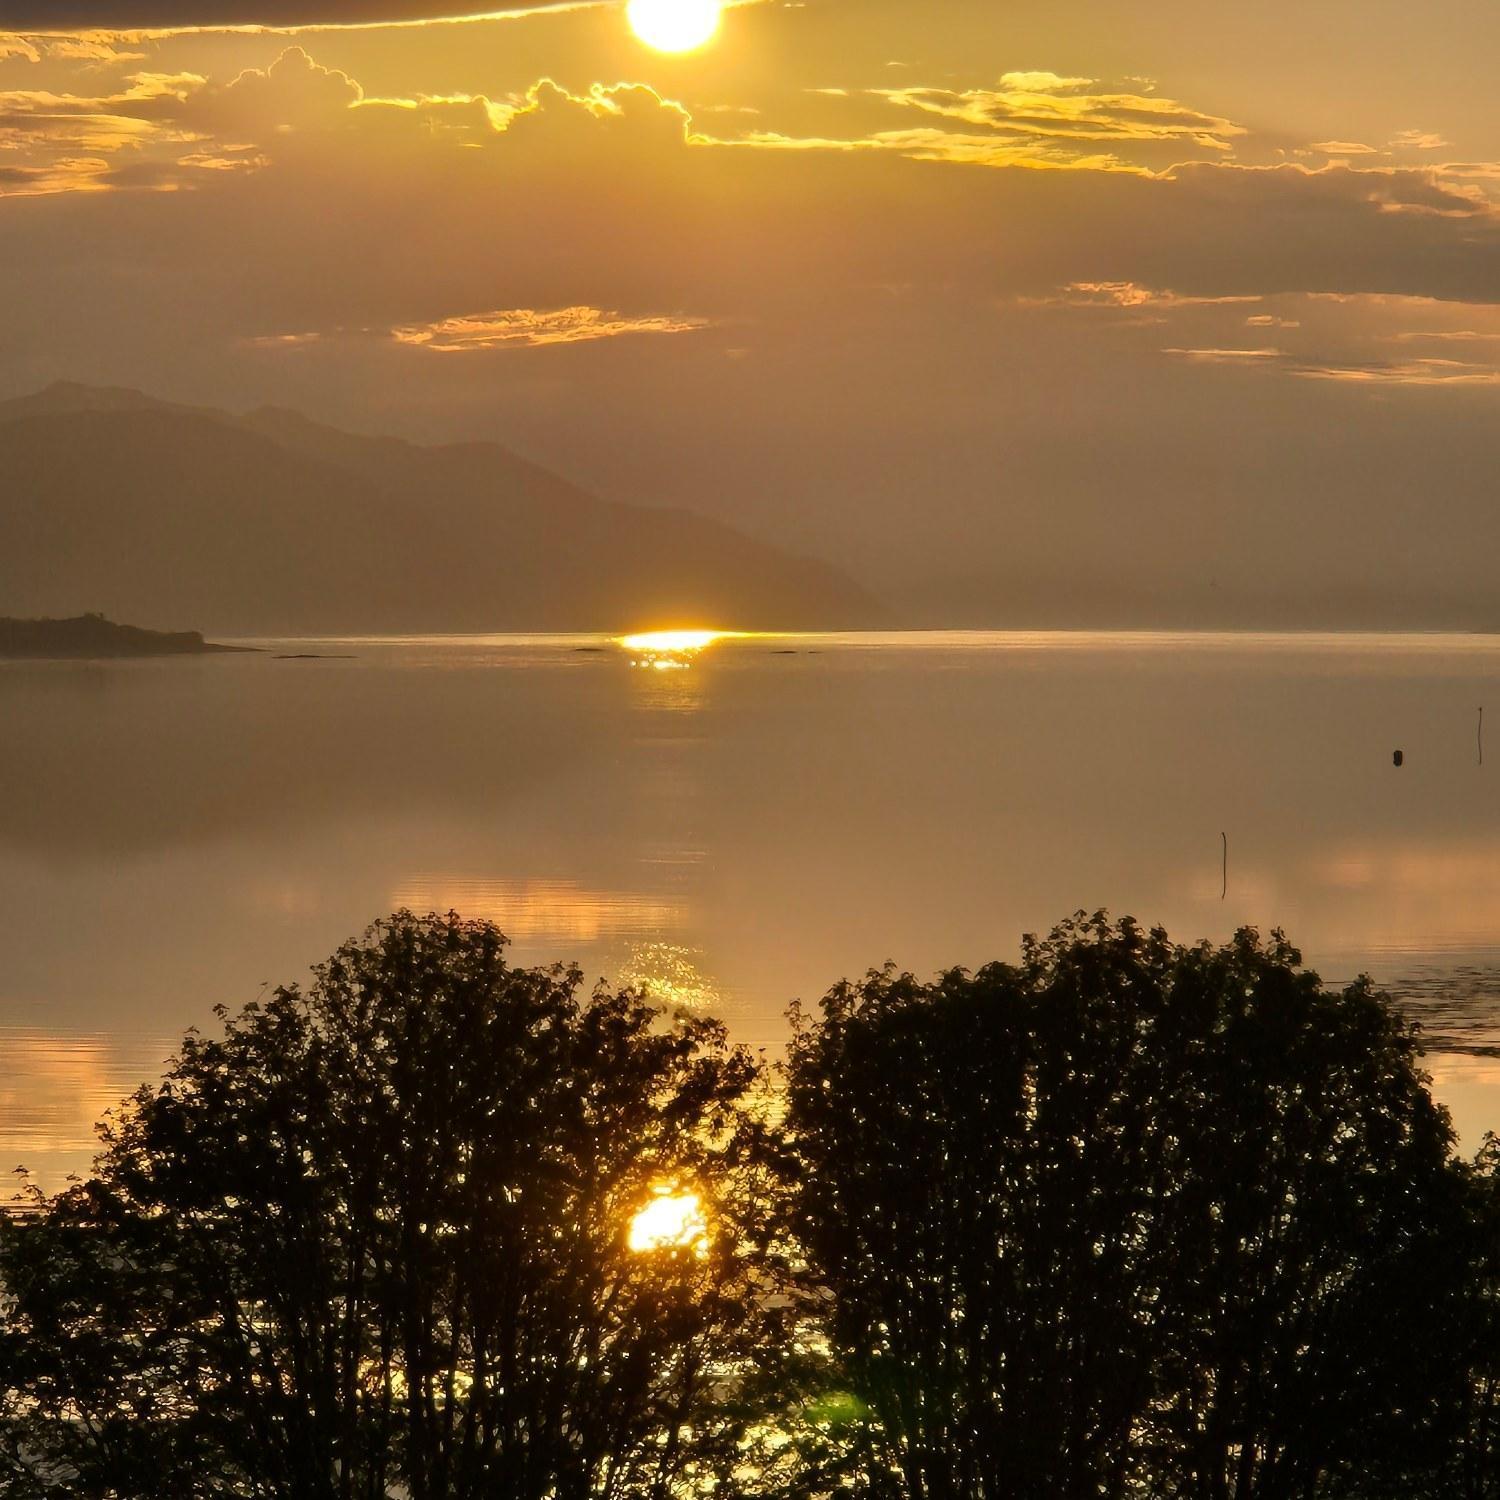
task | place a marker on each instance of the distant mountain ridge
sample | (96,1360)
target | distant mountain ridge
(271,523)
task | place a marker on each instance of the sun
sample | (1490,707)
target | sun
(674,25)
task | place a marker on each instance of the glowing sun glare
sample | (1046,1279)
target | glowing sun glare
(674,641)
(674,25)
(670,1221)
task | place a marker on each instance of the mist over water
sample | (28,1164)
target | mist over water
(744,830)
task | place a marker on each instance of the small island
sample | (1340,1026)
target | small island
(89,637)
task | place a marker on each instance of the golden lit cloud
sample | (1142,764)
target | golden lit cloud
(1346,338)
(1390,339)
(1342,148)
(293,94)
(66,175)
(1227,356)
(534,328)
(1417,140)
(86,49)
(1413,372)
(1030,119)
(1043,104)
(937,145)
(52,142)
(1129,296)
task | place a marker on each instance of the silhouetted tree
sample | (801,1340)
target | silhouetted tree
(1128,1218)
(373,1241)
(1125,1219)
(1327,1234)
(1474,1342)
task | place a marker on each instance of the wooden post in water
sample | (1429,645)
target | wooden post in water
(1224,889)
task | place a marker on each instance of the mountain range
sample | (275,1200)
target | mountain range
(269,523)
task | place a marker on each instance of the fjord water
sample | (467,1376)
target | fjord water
(731,834)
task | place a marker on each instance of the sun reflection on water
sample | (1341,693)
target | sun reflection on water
(666,975)
(670,1221)
(670,650)
(689,641)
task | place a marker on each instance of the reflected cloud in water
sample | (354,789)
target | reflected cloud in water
(539,910)
(54,1088)
(1469,1087)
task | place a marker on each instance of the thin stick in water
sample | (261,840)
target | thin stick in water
(1481,734)
(1224,892)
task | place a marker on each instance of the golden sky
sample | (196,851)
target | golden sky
(959,292)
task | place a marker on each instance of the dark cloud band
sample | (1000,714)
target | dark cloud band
(165,15)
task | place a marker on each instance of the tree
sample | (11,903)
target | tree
(1473,1342)
(1127,1218)
(377,1239)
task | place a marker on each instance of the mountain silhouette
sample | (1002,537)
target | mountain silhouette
(271,523)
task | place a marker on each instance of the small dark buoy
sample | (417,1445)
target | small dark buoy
(1398,758)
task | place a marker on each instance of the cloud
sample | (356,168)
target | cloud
(1417,140)
(1042,82)
(1392,190)
(1129,296)
(615,197)
(86,50)
(1446,373)
(297,111)
(66,175)
(1371,340)
(293,94)
(1035,119)
(1071,109)
(954,147)
(1448,336)
(1350,340)
(1228,356)
(135,16)
(533,328)
(45,122)
(61,143)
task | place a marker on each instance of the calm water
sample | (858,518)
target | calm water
(177,834)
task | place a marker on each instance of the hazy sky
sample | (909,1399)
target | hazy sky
(1026,298)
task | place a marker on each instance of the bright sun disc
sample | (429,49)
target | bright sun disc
(674,25)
